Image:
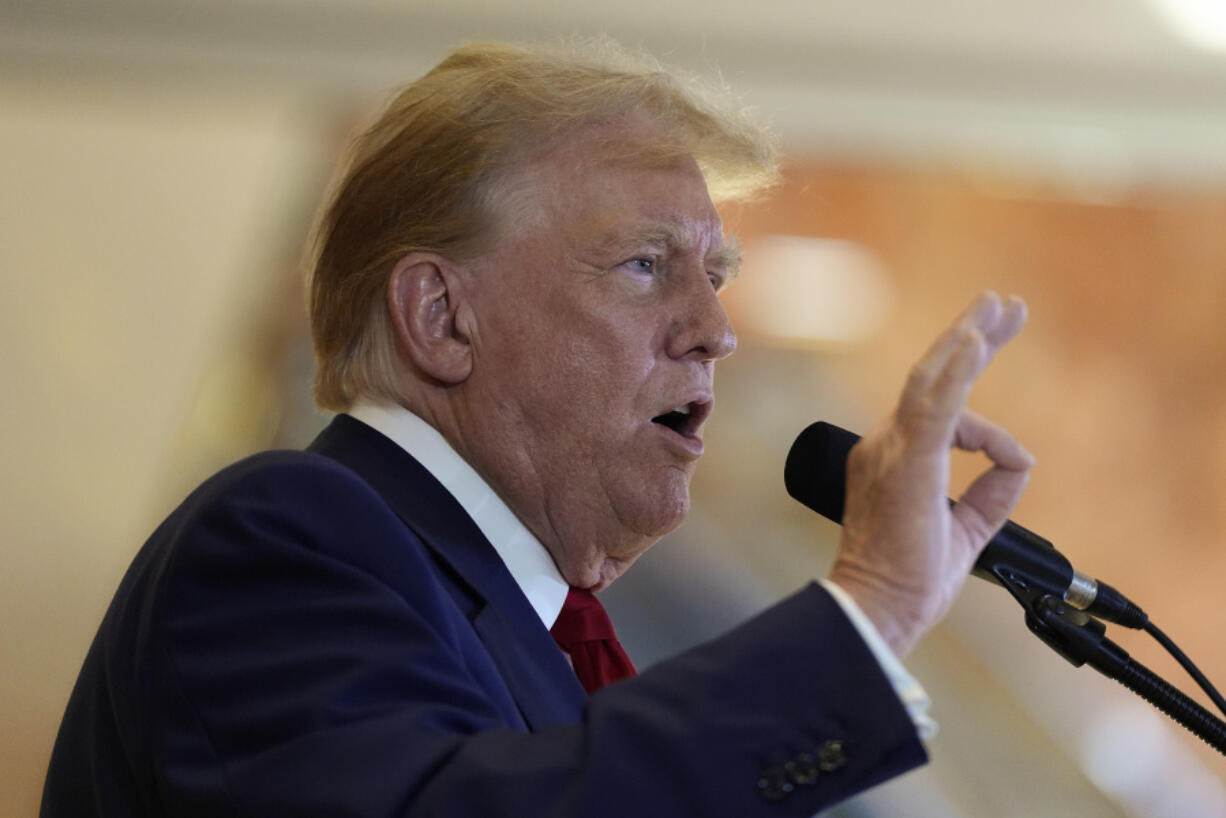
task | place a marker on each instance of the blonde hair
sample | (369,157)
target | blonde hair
(425,177)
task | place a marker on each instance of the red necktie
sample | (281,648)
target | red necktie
(584,631)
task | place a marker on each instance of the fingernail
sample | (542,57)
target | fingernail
(987,308)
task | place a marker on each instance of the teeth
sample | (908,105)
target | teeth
(685,410)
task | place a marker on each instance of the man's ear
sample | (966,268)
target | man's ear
(423,298)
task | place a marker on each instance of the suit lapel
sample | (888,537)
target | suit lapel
(534,669)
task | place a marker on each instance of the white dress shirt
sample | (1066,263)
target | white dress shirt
(533,569)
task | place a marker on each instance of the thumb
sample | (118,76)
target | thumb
(985,506)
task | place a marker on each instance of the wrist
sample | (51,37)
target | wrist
(886,608)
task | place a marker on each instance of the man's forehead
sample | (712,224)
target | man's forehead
(627,146)
(599,190)
(668,203)
(673,232)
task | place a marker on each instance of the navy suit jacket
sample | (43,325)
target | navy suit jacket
(327,633)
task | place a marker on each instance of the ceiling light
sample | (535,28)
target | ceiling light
(1200,22)
(805,290)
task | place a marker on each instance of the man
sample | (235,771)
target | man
(515,310)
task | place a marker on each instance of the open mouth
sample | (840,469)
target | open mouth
(685,420)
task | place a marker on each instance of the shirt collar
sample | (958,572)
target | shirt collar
(526,559)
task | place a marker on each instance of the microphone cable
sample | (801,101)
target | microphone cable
(1187,664)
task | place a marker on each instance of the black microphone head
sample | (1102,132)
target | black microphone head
(816,469)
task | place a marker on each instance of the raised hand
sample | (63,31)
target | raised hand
(904,553)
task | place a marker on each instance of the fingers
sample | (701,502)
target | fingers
(987,319)
(985,506)
(976,433)
(1008,322)
(938,385)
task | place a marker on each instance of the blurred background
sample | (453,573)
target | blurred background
(162,162)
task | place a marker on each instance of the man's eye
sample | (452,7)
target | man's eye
(642,265)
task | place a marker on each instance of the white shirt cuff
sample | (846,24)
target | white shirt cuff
(910,692)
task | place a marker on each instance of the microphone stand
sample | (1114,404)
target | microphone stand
(1081,639)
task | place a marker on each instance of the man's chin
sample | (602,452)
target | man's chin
(600,571)
(651,516)
(639,518)
(611,569)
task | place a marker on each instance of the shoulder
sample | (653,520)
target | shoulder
(287,472)
(277,509)
(289,477)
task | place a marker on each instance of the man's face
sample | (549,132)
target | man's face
(595,330)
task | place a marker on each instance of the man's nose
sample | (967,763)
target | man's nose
(701,327)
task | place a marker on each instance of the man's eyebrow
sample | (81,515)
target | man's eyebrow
(621,242)
(666,236)
(728,258)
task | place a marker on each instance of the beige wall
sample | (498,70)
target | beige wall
(142,231)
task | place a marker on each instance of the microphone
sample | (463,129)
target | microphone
(1018,559)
